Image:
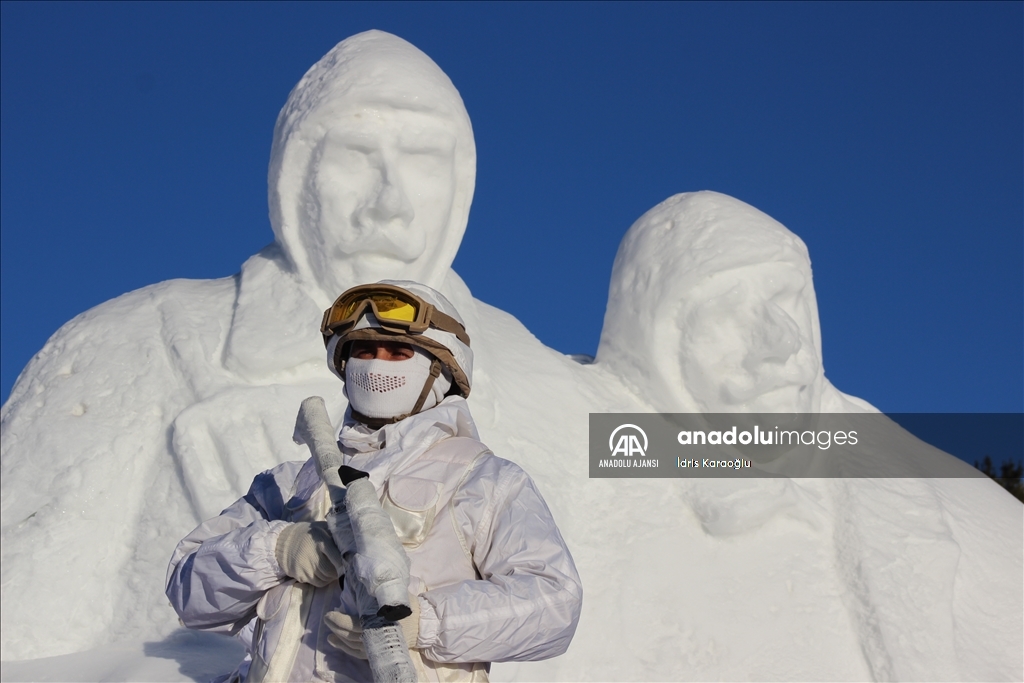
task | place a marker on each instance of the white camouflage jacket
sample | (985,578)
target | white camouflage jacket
(494,578)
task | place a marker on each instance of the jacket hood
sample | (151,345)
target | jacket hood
(384,450)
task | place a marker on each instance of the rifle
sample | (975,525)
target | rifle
(379,570)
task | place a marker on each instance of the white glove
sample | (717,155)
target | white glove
(307,553)
(347,633)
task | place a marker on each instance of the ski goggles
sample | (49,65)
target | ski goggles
(396,310)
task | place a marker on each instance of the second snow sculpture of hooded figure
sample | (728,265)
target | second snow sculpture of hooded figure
(712,309)
(490,577)
(371,176)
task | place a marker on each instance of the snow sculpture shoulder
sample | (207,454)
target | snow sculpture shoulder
(712,309)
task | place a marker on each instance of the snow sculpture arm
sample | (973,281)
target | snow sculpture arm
(221,570)
(527,603)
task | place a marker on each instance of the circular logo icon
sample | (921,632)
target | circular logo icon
(628,443)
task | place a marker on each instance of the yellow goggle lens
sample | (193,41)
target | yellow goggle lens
(391,308)
(388,307)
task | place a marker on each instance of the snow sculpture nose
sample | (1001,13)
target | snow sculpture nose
(776,357)
(776,339)
(389,205)
(779,357)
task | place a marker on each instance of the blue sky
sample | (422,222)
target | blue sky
(135,141)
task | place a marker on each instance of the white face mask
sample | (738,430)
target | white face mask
(388,388)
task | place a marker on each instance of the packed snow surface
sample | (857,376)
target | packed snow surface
(153,411)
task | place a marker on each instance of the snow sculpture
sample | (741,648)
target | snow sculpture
(153,411)
(373,157)
(371,176)
(711,309)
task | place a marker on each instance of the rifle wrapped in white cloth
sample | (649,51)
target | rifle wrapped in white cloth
(379,569)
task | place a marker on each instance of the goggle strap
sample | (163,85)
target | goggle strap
(446,323)
(435,370)
(375,422)
(339,357)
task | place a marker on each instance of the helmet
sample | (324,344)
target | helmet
(400,311)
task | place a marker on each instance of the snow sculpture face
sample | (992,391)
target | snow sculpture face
(712,309)
(373,167)
(741,346)
(379,189)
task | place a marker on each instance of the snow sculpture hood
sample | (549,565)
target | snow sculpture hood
(711,308)
(361,134)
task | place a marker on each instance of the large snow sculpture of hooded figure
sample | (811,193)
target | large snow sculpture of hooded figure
(371,176)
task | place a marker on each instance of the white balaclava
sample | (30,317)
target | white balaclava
(385,388)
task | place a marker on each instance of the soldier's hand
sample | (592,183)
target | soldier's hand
(307,553)
(347,633)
